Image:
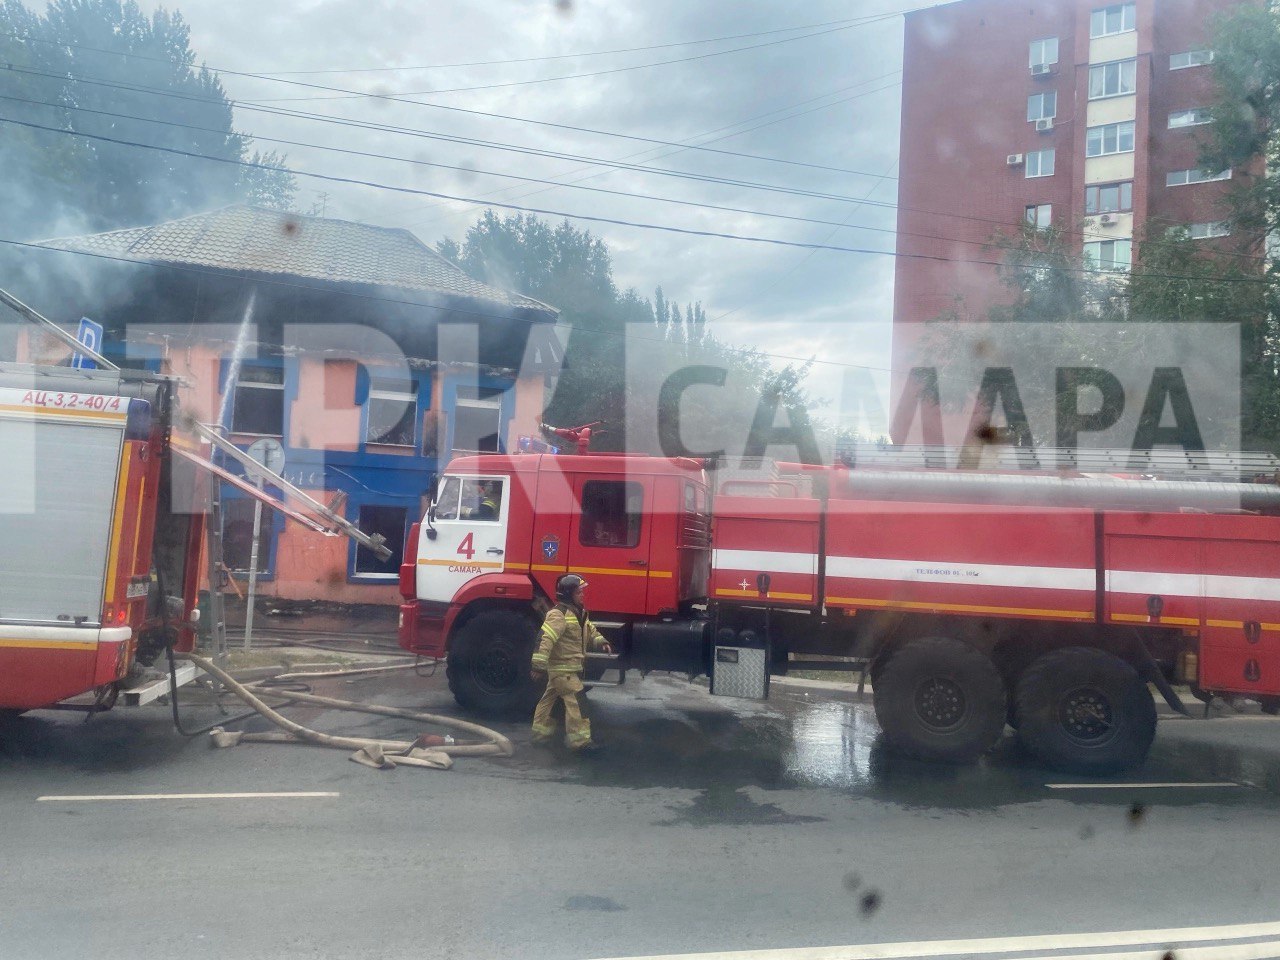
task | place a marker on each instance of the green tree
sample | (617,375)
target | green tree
(573,270)
(108,56)
(1244,137)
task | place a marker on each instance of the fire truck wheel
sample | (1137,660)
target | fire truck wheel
(1271,705)
(1085,711)
(488,665)
(940,699)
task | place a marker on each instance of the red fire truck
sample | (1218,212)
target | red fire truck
(88,532)
(1051,602)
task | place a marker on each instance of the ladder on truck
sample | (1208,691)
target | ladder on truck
(310,513)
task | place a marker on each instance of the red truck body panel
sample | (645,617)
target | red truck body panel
(1026,562)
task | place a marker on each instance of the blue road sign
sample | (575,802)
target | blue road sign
(90,334)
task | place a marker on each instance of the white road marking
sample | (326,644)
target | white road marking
(1160,938)
(1141,786)
(282,795)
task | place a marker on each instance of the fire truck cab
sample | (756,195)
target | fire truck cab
(481,567)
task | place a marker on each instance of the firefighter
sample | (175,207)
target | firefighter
(487,508)
(567,634)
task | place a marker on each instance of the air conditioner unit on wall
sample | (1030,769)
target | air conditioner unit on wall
(1013,159)
(1041,69)
(1045,125)
(1107,219)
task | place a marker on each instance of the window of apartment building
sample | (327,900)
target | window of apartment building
(1039,163)
(390,523)
(1042,106)
(1109,138)
(258,404)
(1109,197)
(1189,118)
(1190,58)
(1039,215)
(1178,178)
(391,412)
(1114,19)
(1109,255)
(1044,51)
(1206,231)
(1113,79)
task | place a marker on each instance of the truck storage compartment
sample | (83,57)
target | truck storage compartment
(765,550)
(740,664)
(680,646)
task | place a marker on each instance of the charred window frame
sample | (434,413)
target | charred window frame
(257,402)
(391,412)
(237,537)
(391,521)
(479,418)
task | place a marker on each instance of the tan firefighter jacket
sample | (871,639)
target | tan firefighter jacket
(567,634)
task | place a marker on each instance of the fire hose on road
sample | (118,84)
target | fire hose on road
(425,751)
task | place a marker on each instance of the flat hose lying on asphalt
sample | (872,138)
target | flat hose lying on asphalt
(371,752)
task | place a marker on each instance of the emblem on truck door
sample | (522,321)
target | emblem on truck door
(550,546)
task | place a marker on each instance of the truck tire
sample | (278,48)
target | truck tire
(940,699)
(488,665)
(1086,711)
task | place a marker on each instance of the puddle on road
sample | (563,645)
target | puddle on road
(730,805)
(663,733)
(688,740)
(106,744)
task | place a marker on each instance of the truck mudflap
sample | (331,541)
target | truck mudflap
(422,628)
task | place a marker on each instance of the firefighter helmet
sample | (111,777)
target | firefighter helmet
(567,585)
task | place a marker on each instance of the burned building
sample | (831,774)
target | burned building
(369,356)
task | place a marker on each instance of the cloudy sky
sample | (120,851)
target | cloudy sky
(813,85)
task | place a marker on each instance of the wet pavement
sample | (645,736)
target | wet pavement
(707,824)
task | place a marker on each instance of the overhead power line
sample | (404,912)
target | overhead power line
(414,161)
(469,141)
(627,194)
(571,56)
(651,154)
(249,105)
(592,218)
(356,94)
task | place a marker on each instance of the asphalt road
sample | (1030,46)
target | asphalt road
(709,825)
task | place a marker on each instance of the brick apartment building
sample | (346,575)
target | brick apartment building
(1076,113)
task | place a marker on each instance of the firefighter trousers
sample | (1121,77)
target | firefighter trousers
(566,687)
